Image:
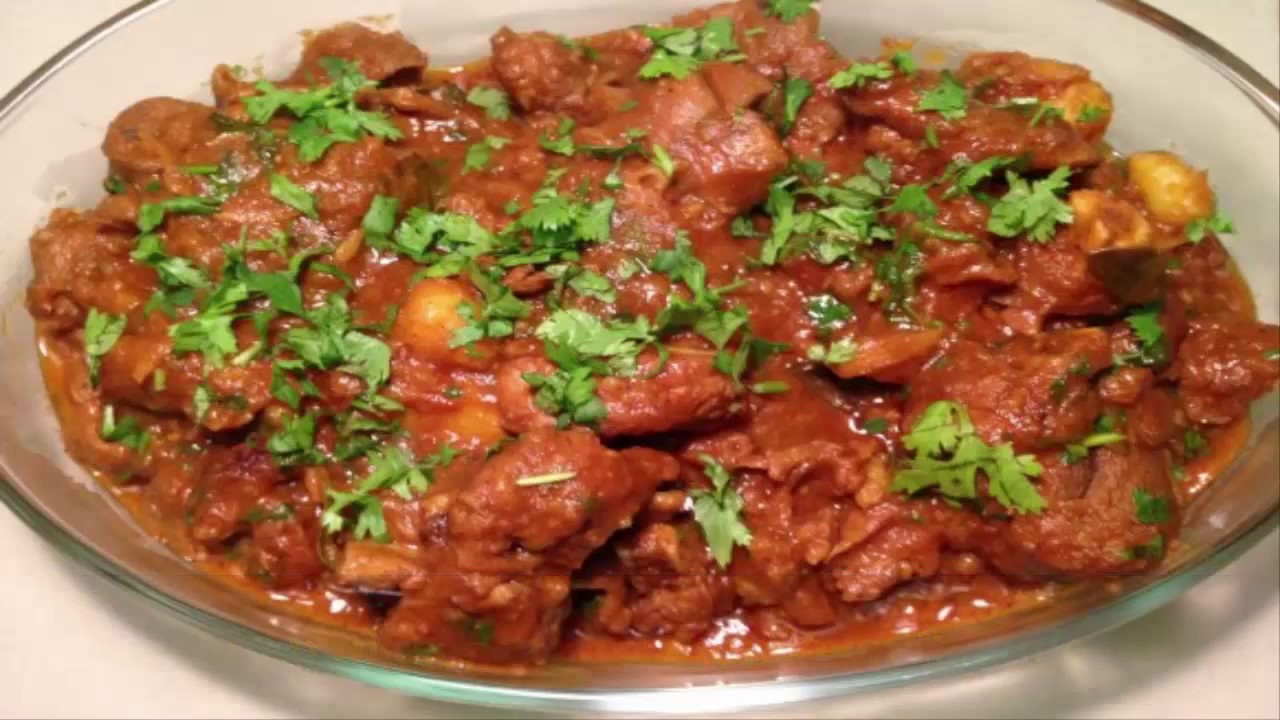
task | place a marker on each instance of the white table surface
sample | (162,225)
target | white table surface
(72,645)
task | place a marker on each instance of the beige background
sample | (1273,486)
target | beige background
(71,645)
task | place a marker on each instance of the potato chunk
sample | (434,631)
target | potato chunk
(1175,192)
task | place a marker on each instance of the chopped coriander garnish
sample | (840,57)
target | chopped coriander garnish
(479,154)
(114,185)
(1194,444)
(326,114)
(931,138)
(1075,452)
(1147,551)
(663,161)
(496,317)
(678,52)
(949,453)
(789,10)
(905,61)
(1150,509)
(294,443)
(914,199)
(795,92)
(1218,223)
(493,100)
(827,312)
(101,331)
(718,512)
(380,220)
(126,432)
(151,215)
(875,426)
(840,351)
(896,273)
(391,469)
(1091,113)
(965,176)
(859,74)
(770,387)
(293,195)
(948,98)
(1272,354)
(1033,209)
(547,479)
(1153,348)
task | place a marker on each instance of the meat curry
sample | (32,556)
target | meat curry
(681,339)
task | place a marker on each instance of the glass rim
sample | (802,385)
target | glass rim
(709,698)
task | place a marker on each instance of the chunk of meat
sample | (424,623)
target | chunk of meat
(484,618)
(1004,76)
(726,160)
(689,391)
(155,134)
(1225,364)
(284,553)
(673,587)
(231,482)
(80,263)
(379,55)
(378,566)
(735,85)
(591,493)
(1100,533)
(883,355)
(539,71)
(893,556)
(983,132)
(1031,391)
(1054,279)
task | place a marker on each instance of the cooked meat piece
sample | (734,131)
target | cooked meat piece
(1031,391)
(688,392)
(1224,364)
(155,134)
(379,55)
(539,71)
(555,494)
(230,483)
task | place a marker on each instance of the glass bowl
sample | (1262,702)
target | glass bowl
(51,126)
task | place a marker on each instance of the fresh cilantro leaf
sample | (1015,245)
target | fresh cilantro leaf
(1091,113)
(201,402)
(965,176)
(1194,444)
(1075,452)
(743,227)
(795,92)
(294,442)
(896,273)
(1153,348)
(781,205)
(173,272)
(151,215)
(479,154)
(827,312)
(789,10)
(619,341)
(496,317)
(325,114)
(101,332)
(1150,509)
(914,199)
(679,52)
(949,454)
(718,512)
(1271,354)
(546,479)
(380,220)
(770,387)
(875,426)
(494,101)
(1220,225)
(840,351)
(569,394)
(126,432)
(859,74)
(905,61)
(114,185)
(1152,550)
(663,161)
(293,195)
(1032,208)
(948,98)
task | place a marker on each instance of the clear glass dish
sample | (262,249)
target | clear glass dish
(51,125)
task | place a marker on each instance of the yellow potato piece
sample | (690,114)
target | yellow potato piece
(1173,191)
